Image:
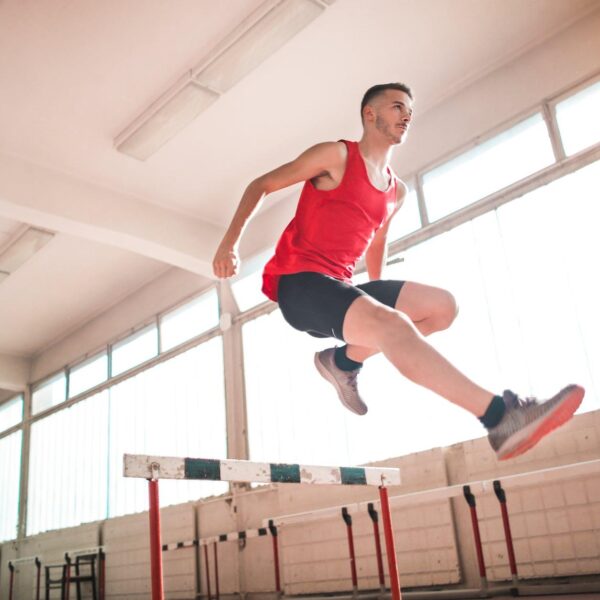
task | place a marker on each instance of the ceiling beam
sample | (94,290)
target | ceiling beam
(51,200)
(14,372)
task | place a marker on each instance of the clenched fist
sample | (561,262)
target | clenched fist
(226,262)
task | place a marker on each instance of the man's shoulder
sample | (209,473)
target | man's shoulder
(339,147)
(329,154)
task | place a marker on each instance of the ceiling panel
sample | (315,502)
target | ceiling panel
(65,284)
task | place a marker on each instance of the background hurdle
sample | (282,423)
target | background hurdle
(18,561)
(153,468)
(233,536)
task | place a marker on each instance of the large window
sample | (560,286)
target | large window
(87,374)
(407,219)
(176,408)
(49,393)
(190,320)
(247,287)
(134,350)
(11,413)
(487,168)
(578,119)
(67,469)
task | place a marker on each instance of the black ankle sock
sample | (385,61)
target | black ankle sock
(343,362)
(494,413)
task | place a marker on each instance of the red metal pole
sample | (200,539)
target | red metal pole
(207,572)
(102,575)
(68,578)
(389,543)
(216,570)
(475,523)
(156,564)
(375,518)
(501,495)
(38,566)
(348,520)
(273,530)
(11,568)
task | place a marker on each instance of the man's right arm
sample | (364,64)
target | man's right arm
(314,162)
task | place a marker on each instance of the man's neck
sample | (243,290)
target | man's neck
(378,153)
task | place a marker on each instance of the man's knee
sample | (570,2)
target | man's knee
(445,312)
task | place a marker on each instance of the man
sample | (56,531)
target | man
(349,197)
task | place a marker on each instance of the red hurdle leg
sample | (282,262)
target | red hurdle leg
(348,520)
(501,495)
(68,578)
(273,530)
(101,574)
(476,535)
(216,571)
(38,566)
(207,572)
(11,568)
(375,518)
(389,543)
(156,564)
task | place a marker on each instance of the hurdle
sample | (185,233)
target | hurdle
(154,468)
(12,566)
(239,536)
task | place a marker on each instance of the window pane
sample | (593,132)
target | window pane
(491,166)
(11,413)
(177,408)
(247,288)
(135,350)
(49,393)
(10,467)
(188,321)
(67,470)
(407,219)
(88,374)
(578,119)
(247,291)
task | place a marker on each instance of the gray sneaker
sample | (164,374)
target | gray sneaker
(344,382)
(527,421)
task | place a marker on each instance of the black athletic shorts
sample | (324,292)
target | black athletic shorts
(318,303)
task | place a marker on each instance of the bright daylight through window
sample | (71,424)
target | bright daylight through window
(521,150)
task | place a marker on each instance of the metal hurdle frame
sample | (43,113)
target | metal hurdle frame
(11,567)
(233,536)
(154,468)
(468,491)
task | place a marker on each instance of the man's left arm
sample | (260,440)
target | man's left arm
(376,255)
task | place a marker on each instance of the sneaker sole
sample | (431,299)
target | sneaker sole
(329,377)
(561,414)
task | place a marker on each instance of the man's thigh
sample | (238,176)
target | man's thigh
(316,303)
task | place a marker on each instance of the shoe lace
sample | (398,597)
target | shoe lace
(351,380)
(513,401)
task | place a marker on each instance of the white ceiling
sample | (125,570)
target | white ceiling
(74,73)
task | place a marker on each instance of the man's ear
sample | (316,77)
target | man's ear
(368,113)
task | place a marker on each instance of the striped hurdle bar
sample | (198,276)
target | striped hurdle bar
(154,468)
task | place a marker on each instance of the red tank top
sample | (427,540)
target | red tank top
(332,229)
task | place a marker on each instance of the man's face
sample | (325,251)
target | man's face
(392,115)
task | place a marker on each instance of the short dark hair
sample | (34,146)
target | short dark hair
(379,89)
